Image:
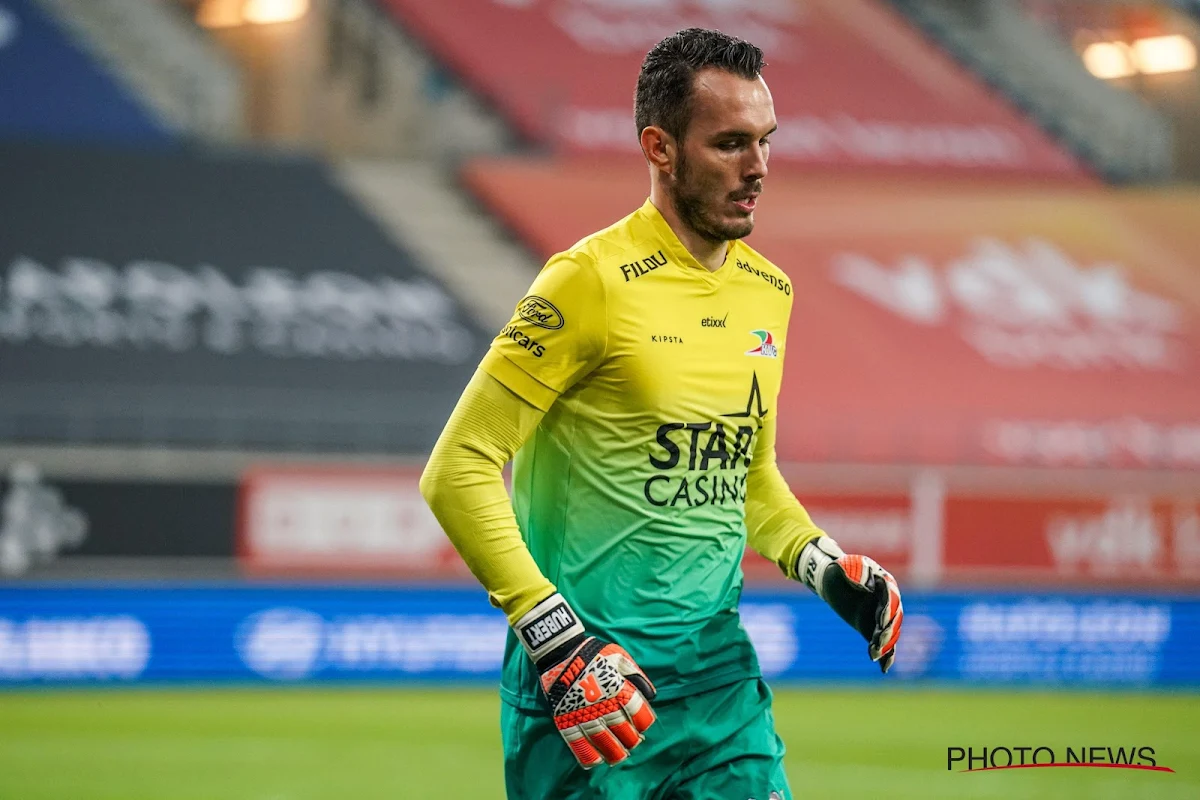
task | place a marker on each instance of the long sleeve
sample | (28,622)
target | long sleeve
(464,487)
(777,525)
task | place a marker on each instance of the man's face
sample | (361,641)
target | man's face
(723,156)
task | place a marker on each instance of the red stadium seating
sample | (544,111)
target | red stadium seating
(854,86)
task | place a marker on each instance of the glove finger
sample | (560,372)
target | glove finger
(621,725)
(885,641)
(587,755)
(885,663)
(642,684)
(856,569)
(887,592)
(887,615)
(629,668)
(888,605)
(604,741)
(640,713)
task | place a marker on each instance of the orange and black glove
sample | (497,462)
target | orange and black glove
(862,593)
(599,697)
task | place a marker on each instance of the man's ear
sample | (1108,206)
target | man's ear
(659,148)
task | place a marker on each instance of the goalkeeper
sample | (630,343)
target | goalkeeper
(635,390)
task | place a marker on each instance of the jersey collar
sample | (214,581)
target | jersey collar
(680,254)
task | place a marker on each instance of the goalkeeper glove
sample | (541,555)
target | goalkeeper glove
(597,694)
(862,593)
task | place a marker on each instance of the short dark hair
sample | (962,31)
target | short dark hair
(664,86)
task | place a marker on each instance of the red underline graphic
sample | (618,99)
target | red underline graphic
(1084,764)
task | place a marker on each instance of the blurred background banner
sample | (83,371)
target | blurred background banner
(853,85)
(141,634)
(214,300)
(80,521)
(331,522)
(355,522)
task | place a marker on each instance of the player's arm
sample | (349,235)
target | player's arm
(779,528)
(598,695)
(464,486)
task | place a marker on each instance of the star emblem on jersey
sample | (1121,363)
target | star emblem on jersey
(754,406)
(766,345)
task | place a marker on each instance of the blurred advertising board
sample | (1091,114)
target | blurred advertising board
(214,300)
(363,522)
(48,521)
(880,525)
(1119,539)
(367,522)
(341,522)
(854,85)
(1125,539)
(55,635)
(950,322)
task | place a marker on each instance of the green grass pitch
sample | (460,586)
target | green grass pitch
(402,744)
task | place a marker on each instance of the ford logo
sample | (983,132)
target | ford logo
(541,312)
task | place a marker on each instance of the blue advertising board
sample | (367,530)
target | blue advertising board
(52,634)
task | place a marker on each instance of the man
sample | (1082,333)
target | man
(637,387)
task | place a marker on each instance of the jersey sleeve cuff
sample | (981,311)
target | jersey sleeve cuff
(518,381)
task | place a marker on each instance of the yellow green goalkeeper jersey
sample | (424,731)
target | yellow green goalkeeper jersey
(656,375)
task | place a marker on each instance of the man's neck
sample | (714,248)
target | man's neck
(711,255)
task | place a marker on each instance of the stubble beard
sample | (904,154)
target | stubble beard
(694,212)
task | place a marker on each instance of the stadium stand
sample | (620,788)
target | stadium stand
(426,208)
(175,70)
(53,89)
(1190,6)
(855,87)
(220,301)
(1125,138)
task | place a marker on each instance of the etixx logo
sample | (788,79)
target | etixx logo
(541,312)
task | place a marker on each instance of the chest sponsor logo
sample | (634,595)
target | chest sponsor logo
(766,345)
(523,339)
(541,312)
(714,322)
(644,266)
(716,454)
(779,283)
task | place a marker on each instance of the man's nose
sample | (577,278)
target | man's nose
(755,168)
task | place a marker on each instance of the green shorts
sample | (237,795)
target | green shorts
(717,745)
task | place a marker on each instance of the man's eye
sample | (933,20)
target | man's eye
(728,145)
(765,141)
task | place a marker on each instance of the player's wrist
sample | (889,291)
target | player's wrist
(817,557)
(549,631)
